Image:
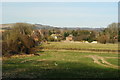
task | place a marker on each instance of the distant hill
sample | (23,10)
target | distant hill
(37,26)
(6,26)
(40,26)
(96,29)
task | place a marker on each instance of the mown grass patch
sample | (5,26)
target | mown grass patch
(81,45)
(114,61)
(57,64)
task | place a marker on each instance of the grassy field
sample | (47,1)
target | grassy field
(62,64)
(81,45)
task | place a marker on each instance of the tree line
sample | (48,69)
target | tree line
(23,37)
(108,35)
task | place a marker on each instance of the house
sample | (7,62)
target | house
(86,42)
(36,38)
(35,35)
(94,42)
(69,38)
(56,36)
(1,30)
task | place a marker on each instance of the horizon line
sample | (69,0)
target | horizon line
(57,26)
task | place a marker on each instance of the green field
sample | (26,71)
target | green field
(63,63)
(81,45)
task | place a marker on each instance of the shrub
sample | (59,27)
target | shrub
(18,39)
(51,38)
(103,39)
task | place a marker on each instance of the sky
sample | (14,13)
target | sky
(60,0)
(61,14)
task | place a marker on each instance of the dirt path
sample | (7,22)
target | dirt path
(101,61)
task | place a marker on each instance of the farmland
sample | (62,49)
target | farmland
(82,45)
(55,62)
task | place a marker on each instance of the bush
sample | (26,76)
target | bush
(51,38)
(103,39)
(18,40)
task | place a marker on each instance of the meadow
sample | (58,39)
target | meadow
(55,62)
(81,45)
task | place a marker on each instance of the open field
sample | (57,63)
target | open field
(63,64)
(81,45)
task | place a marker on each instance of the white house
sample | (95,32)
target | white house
(86,42)
(94,42)
(56,36)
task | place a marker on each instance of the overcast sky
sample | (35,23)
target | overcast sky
(61,14)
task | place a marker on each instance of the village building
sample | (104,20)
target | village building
(56,36)
(35,38)
(69,38)
(94,42)
(86,42)
(35,34)
(2,30)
